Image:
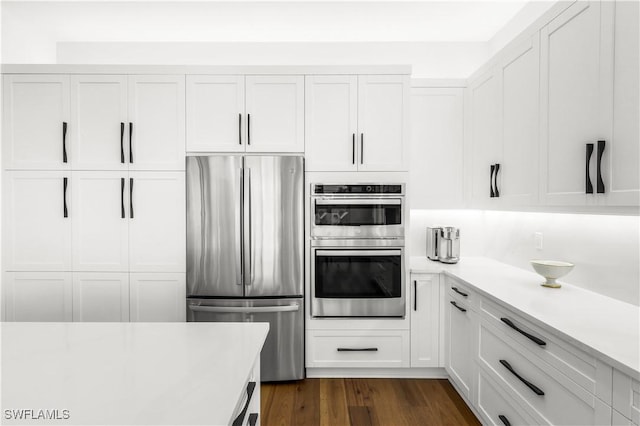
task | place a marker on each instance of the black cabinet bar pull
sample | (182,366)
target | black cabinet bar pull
(65,210)
(130,198)
(122,143)
(253,419)
(599,181)
(459,292)
(248,129)
(529,336)
(357,349)
(459,308)
(589,189)
(353,148)
(495,181)
(415,295)
(491,193)
(361,148)
(64,142)
(504,420)
(122,198)
(530,385)
(239,421)
(239,128)
(131,142)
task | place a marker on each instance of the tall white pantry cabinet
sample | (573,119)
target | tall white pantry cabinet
(93,197)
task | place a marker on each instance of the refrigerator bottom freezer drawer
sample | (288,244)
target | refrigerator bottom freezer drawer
(282,356)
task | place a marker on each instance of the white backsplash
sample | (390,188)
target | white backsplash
(605,249)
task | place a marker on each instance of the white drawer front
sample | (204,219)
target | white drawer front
(497,406)
(626,396)
(579,366)
(462,292)
(563,402)
(355,348)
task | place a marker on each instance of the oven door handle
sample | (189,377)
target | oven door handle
(358,201)
(345,253)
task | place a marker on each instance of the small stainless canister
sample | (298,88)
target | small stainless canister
(449,245)
(432,242)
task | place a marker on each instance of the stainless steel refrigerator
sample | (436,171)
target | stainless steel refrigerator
(245,250)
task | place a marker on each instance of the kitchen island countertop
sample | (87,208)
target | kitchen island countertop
(128,373)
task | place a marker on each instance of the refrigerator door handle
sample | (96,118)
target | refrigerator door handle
(249,276)
(245,309)
(239,229)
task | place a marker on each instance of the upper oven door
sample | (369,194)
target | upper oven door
(351,217)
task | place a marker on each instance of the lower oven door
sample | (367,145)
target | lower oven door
(357,282)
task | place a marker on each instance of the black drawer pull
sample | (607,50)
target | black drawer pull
(495,181)
(491,191)
(459,292)
(458,307)
(240,419)
(253,419)
(531,337)
(599,181)
(504,420)
(530,385)
(357,349)
(588,184)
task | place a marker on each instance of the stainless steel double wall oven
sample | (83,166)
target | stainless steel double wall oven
(357,250)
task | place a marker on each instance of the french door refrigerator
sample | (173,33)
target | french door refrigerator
(245,250)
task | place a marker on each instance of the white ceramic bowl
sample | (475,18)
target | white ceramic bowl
(552,270)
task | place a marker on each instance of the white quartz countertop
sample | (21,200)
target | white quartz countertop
(600,325)
(128,373)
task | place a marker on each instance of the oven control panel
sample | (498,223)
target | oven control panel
(353,189)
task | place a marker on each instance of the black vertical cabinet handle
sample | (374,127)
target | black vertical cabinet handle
(493,170)
(361,148)
(131,142)
(589,186)
(353,148)
(65,211)
(64,142)
(415,295)
(239,128)
(530,385)
(122,143)
(495,181)
(599,181)
(130,198)
(504,420)
(122,198)
(248,129)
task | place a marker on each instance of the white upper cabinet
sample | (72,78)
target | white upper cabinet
(37,221)
(37,296)
(576,100)
(157,225)
(331,123)
(275,113)
(100,297)
(99,138)
(157,120)
(36,122)
(383,122)
(437,138)
(100,221)
(621,171)
(215,113)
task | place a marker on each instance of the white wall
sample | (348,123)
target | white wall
(604,248)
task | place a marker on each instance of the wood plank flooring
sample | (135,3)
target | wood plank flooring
(364,402)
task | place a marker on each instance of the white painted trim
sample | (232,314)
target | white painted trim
(392,373)
(439,82)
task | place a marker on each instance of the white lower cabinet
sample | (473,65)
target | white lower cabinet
(157,297)
(626,399)
(425,321)
(37,296)
(100,297)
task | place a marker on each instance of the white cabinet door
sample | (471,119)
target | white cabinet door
(576,96)
(519,80)
(100,297)
(37,235)
(100,221)
(621,171)
(157,222)
(275,113)
(485,150)
(37,296)
(425,321)
(459,340)
(157,297)
(98,118)
(331,122)
(35,116)
(383,122)
(157,114)
(437,137)
(215,113)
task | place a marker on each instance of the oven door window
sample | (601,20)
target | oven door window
(345,213)
(353,274)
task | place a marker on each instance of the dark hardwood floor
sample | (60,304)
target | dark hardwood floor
(363,402)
